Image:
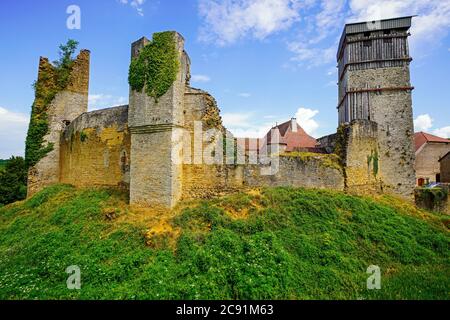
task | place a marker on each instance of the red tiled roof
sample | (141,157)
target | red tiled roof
(293,140)
(421,138)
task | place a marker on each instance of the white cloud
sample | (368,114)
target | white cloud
(309,48)
(101,101)
(136,4)
(311,56)
(13,131)
(305,118)
(245,95)
(442,132)
(200,78)
(328,19)
(237,119)
(423,123)
(247,125)
(227,21)
(432,23)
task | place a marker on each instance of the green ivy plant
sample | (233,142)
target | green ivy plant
(156,67)
(51,81)
(83,136)
(373,158)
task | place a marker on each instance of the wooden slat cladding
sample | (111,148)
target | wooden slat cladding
(375,50)
(369,50)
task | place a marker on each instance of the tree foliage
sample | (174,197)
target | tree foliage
(13,181)
(156,67)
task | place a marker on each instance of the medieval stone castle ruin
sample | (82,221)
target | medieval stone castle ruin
(160,150)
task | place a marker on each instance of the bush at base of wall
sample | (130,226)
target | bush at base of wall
(13,180)
(435,199)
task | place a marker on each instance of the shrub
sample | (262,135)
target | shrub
(13,181)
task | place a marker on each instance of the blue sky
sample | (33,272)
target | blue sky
(263,60)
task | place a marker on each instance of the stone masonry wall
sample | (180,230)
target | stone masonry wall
(392,111)
(206,181)
(360,143)
(312,171)
(156,134)
(66,106)
(95,149)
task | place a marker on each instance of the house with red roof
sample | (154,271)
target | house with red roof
(429,150)
(286,137)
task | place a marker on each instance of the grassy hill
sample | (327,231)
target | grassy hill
(277,243)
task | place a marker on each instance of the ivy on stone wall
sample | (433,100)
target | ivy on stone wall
(52,79)
(83,136)
(156,67)
(373,159)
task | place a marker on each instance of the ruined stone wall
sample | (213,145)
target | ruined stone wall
(206,181)
(201,180)
(156,138)
(328,143)
(360,156)
(311,171)
(427,160)
(66,106)
(392,111)
(95,149)
(299,170)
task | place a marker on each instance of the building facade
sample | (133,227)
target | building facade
(429,150)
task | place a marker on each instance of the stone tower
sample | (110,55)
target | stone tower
(66,106)
(375,93)
(157,128)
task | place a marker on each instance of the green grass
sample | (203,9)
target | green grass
(279,243)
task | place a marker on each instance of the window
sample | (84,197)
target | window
(438,177)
